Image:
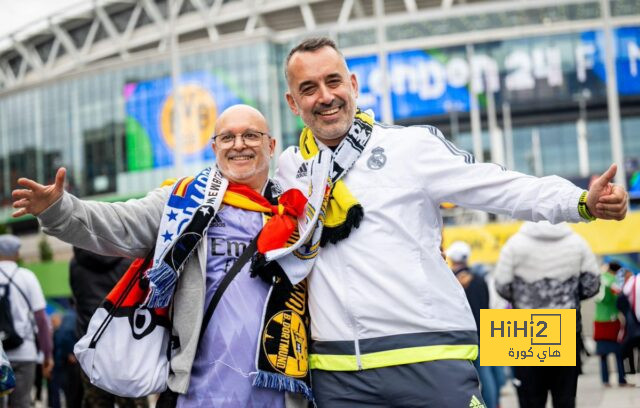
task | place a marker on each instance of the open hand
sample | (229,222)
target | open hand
(35,197)
(606,200)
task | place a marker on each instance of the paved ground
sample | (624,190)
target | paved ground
(591,393)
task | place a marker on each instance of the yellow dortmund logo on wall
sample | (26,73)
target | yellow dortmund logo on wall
(197,117)
(285,344)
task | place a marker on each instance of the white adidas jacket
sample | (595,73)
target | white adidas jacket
(384,296)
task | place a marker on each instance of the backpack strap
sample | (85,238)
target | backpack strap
(224,284)
(32,319)
(10,278)
(169,398)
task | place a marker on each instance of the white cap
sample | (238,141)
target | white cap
(459,251)
(9,245)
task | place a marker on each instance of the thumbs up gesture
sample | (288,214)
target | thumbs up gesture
(35,197)
(606,200)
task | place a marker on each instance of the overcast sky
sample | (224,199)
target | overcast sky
(15,14)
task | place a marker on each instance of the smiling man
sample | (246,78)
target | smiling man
(243,151)
(218,370)
(391,326)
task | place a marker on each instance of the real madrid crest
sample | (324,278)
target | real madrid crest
(377,159)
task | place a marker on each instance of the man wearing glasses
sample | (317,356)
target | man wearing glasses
(219,372)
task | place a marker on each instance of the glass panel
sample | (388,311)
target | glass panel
(496,20)
(625,7)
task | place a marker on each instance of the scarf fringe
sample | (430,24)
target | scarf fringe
(342,231)
(281,382)
(162,281)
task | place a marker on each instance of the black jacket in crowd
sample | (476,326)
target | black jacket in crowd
(92,277)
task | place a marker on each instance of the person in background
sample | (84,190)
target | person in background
(546,266)
(66,371)
(475,287)
(629,305)
(30,322)
(91,277)
(53,383)
(606,325)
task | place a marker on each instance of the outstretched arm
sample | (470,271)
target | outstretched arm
(449,174)
(126,229)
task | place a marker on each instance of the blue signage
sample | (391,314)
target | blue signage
(531,70)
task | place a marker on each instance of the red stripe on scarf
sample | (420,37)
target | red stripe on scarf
(278,229)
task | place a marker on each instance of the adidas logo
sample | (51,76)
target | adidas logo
(302,171)
(476,403)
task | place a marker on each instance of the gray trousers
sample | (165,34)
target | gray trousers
(432,384)
(25,373)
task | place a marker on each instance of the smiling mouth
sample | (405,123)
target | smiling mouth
(240,158)
(330,111)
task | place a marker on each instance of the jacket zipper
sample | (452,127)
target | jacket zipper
(356,342)
(354,324)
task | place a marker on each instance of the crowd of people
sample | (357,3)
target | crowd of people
(380,318)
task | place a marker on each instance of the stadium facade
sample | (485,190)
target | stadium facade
(114,89)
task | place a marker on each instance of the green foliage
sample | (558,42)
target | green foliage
(46,254)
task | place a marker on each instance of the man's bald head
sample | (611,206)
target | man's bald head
(242,113)
(243,146)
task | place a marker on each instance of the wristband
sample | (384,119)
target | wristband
(583,210)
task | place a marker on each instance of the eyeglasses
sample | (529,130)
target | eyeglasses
(251,138)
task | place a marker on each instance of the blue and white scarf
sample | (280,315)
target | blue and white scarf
(186,217)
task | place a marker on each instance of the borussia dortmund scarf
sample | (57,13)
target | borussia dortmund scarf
(282,356)
(282,350)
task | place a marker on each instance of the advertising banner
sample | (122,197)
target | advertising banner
(604,237)
(152,118)
(529,70)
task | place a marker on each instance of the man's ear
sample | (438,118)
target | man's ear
(354,84)
(272,145)
(292,103)
(215,149)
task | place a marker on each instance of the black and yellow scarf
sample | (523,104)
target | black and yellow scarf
(330,215)
(282,352)
(343,211)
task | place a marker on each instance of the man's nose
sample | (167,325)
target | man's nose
(326,97)
(238,142)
